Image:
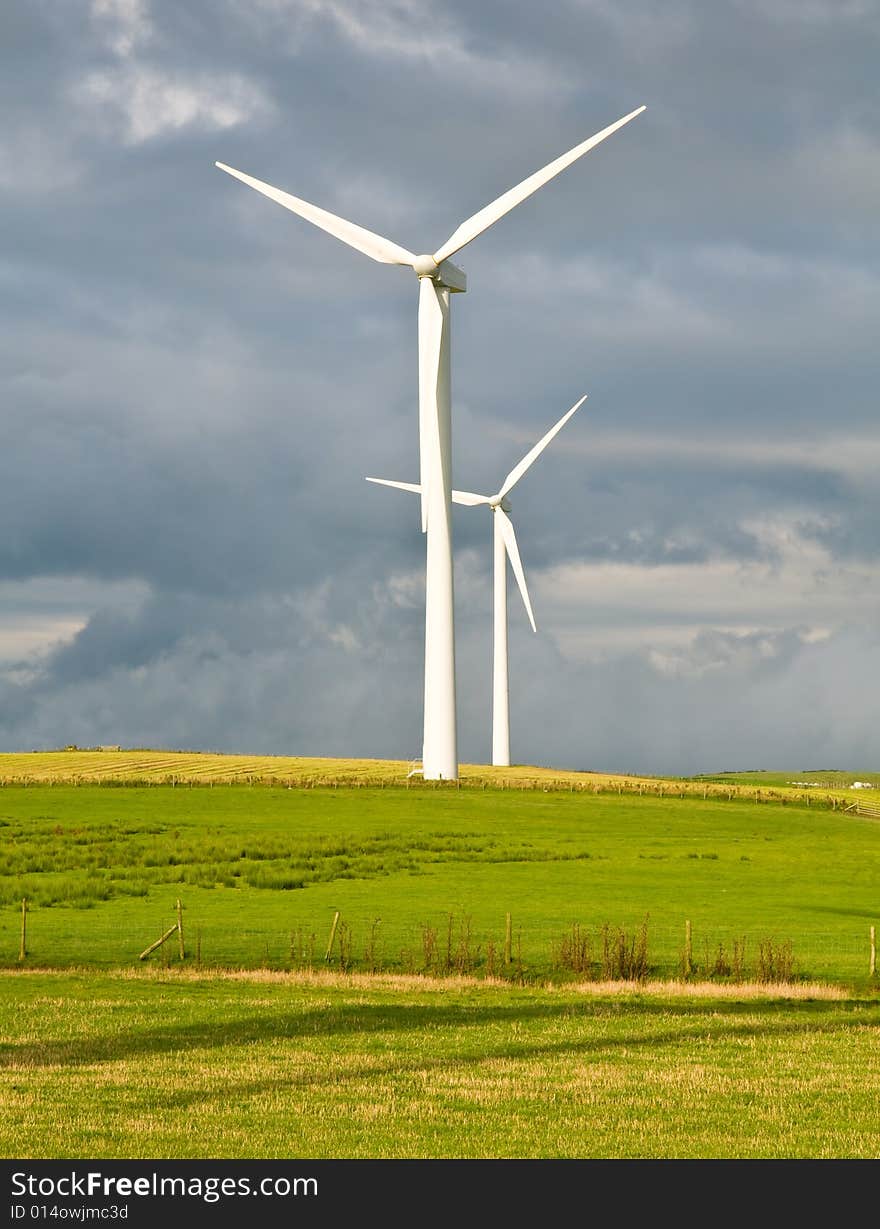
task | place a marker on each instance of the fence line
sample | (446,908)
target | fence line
(864,808)
(450,942)
(562,784)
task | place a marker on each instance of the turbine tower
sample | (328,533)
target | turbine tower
(504,546)
(438,278)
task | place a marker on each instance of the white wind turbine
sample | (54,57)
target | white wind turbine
(504,543)
(438,278)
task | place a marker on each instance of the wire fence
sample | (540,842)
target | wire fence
(449,943)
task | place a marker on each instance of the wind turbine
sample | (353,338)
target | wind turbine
(438,278)
(504,542)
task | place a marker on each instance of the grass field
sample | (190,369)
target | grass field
(165,767)
(824,780)
(192,767)
(265,1065)
(423,879)
(419,1038)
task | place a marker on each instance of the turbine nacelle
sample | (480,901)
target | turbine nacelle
(445,274)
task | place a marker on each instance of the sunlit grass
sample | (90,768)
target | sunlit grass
(424,879)
(269,1065)
(257,1047)
(206,768)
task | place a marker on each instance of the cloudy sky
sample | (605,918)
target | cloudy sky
(195,382)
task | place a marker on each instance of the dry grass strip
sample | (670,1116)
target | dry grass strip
(410,982)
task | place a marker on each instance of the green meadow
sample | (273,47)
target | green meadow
(423,880)
(351,986)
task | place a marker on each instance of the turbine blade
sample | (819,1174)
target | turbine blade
(458,497)
(469,498)
(355,236)
(401,486)
(518,470)
(430,341)
(481,221)
(516,563)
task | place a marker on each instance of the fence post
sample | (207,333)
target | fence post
(22,951)
(873,966)
(180,930)
(507,939)
(332,936)
(167,935)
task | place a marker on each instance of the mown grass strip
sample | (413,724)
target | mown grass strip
(321,1066)
(196,768)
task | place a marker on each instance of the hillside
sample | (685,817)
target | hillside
(158,767)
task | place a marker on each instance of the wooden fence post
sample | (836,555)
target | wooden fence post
(507,939)
(873,964)
(167,935)
(180,931)
(332,936)
(22,951)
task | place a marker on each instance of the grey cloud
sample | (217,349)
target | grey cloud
(626,715)
(309,691)
(195,383)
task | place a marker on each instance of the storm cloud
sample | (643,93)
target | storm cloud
(195,382)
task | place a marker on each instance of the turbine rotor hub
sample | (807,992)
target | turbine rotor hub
(425,265)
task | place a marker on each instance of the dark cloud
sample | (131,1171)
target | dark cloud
(195,382)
